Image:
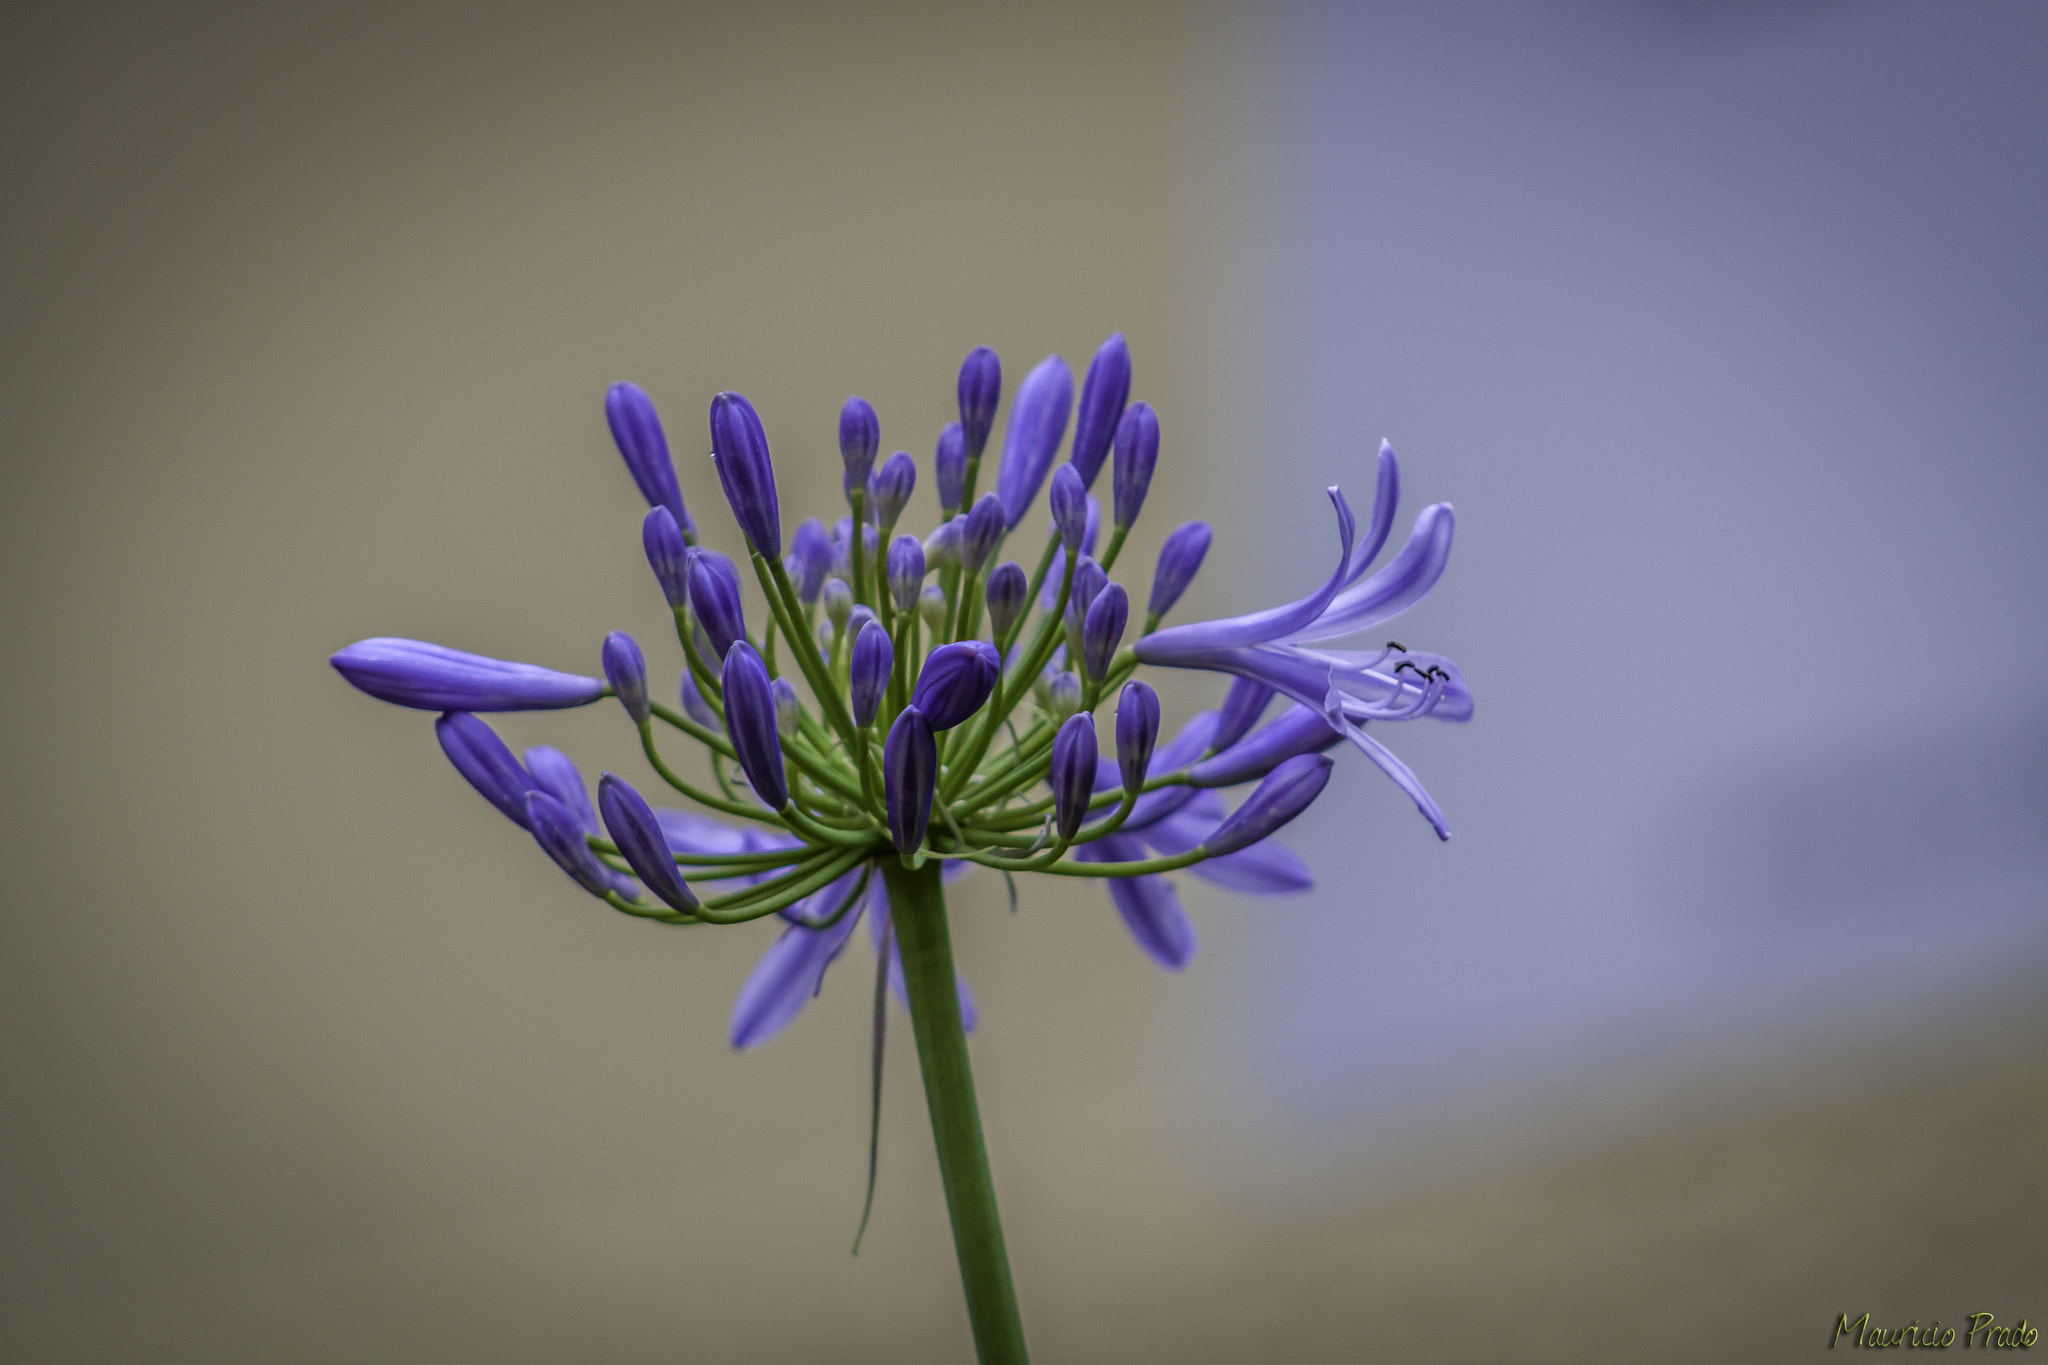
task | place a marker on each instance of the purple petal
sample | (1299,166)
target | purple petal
(1169,645)
(1386,497)
(1403,776)
(1394,589)
(1149,906)
(970,1011)
(1269,868)
(788,974)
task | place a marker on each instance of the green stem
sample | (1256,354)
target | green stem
(917,912)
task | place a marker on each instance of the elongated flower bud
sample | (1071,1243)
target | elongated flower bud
(1179,559)
(715,598)
(555,773)
(1007,586)
(436,678)
(1103,395)
(739,448)
(750,724)
(1103,630)
(874,659)
(949,468)
(942,546)
(860,436)
(837,599)
(1284,794)
(561,838)
(956,680)
(981,388)
(889,490)
(1299,730)
(667,555)
(1038,419)
(1063,695)
(1137,451)
(1089,579)
(694,705)
(479,755)
(1242,706)
(631,823)
(931,607)
(811,549)
(906,571)
(1069,499)
(1073,773)
(637,431)
(980,532)
(626,670)
(1137,731)
(910,774)
(857,618)
(1057,569)
(788,710)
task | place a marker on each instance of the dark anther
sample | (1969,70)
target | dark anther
(1396,644)
(1410,664)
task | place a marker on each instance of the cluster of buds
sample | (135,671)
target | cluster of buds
(929,697)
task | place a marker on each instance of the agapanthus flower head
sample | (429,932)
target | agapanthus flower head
(667,555)
(1103,395)
(981,388)
(715,599)
(625,668)
(435,678)
(906,571)
(981,530)
(480,756)
(1180,558)
(956,680)
(860,436)
(637,834)
(1007,589)
(910,774)
(810,559)
(1137,453)
(636,428)
(874,658)
(949,468)
(1072,776)
(1038,420)
(750,724)
(739,449)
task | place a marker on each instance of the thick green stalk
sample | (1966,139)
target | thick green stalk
(917,911)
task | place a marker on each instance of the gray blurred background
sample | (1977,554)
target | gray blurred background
(1724,326)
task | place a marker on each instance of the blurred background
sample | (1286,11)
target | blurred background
(1725,327)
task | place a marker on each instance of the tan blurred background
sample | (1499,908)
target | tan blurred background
(308,1056)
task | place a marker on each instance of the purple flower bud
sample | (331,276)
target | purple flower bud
(874,658)
(739,448)
(667,555)
(637,431)
(789,711)
(1284,794)
(956,680)
(1179,559)
(694,705)
(750,724)
(860,436)
(1137,451)
(942,546)
(626,670)
(837,600)
(811,548)
(1103,395)
(980,532)
(906,571)
(932,607)
(555,773)
(1041,686)
(1103,629)
(889,489)
(1058,566)
(981,388)
(1073,773)
(857,618)
(1089,579)
(436,678)
(1069,499)
(1038,419)
(1137,731)
(910,774)
(949,468)
(1243,704)
(715,597)
(1300,730)
(631,823)
(561,838)
(1007,586)
(1063,695)
(479,755)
